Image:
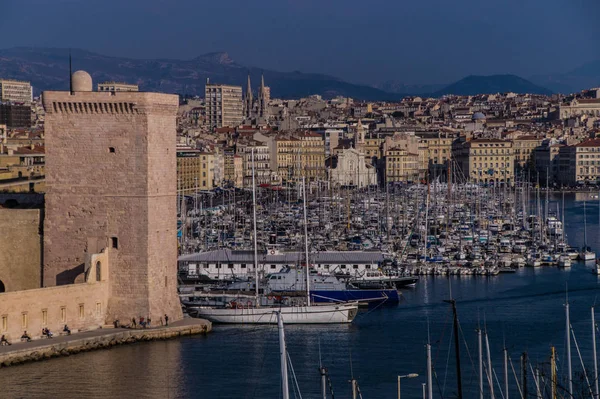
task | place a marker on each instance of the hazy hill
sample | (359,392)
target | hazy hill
(586,76)
(472,85)
(48,69)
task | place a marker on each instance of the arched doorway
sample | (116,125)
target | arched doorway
(98,271)
(2,288)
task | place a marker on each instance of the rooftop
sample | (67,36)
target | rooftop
(333,257)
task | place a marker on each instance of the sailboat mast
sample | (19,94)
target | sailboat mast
(456,349)
(595,355)
(553,372)
(505,372)
(283,358)
(584,229)
(306,242)
(489,361)
(254,228)
(429,373)
(480,347)
(568,332)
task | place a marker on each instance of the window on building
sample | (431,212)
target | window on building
(114,242)
(81,311)
(111,150)
(63,314)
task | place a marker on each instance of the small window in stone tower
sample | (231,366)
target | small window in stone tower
(115,242)
(111,150)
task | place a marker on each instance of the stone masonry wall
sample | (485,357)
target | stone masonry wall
(80,306)
(20,249)
(110,173)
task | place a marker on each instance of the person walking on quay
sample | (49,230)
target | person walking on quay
(148,321)
(166,320)
(133,323)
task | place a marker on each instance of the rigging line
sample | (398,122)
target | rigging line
(515,375)
(293,375)
(581,360)
(437,381)
(446,324)
(262,364)
(460,331)
(537,384)
(498,383)
(448,360)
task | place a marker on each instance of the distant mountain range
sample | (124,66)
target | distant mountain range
(394,86)
(586,76)
(472,85)
(47,69)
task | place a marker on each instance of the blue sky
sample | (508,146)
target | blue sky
(367,41)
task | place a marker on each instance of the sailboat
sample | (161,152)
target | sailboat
(253,313)
(586,252)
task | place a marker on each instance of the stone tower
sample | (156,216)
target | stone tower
(111,187)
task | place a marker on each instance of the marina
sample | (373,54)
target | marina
(364,245)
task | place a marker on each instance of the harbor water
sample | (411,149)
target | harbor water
(523,311)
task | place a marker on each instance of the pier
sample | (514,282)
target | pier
(104,338)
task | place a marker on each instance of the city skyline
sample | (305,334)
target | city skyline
(436,43)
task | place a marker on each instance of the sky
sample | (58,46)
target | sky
(366,41)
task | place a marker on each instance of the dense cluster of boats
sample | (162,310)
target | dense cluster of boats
(356,246)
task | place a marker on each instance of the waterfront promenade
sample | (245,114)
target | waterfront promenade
(104,338)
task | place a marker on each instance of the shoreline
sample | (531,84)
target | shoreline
(104,338)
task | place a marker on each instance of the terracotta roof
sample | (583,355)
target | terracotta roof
(589,143)
(37,150)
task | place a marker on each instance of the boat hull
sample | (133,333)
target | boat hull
(317,314)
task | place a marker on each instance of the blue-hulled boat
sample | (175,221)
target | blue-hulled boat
(326,287)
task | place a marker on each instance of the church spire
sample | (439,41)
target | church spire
(248,88)
(248,103)
(262,100)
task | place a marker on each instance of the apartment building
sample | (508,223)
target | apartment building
(15,91)
(117,86)
(223,105)
(401,165)
(485,160)
(579,163)
(195,170)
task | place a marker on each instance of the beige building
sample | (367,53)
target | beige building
(580,106)
(401,165)
(312,156)
(485,160)
(117,86)
(15,91)
(524,149)
(195,170)
(223,105)
(285,157)
(435,150)
(255,154)
(547,163)
(579,163)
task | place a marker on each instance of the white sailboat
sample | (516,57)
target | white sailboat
(253,313)
(586,253)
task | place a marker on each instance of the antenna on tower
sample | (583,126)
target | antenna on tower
(70,73)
